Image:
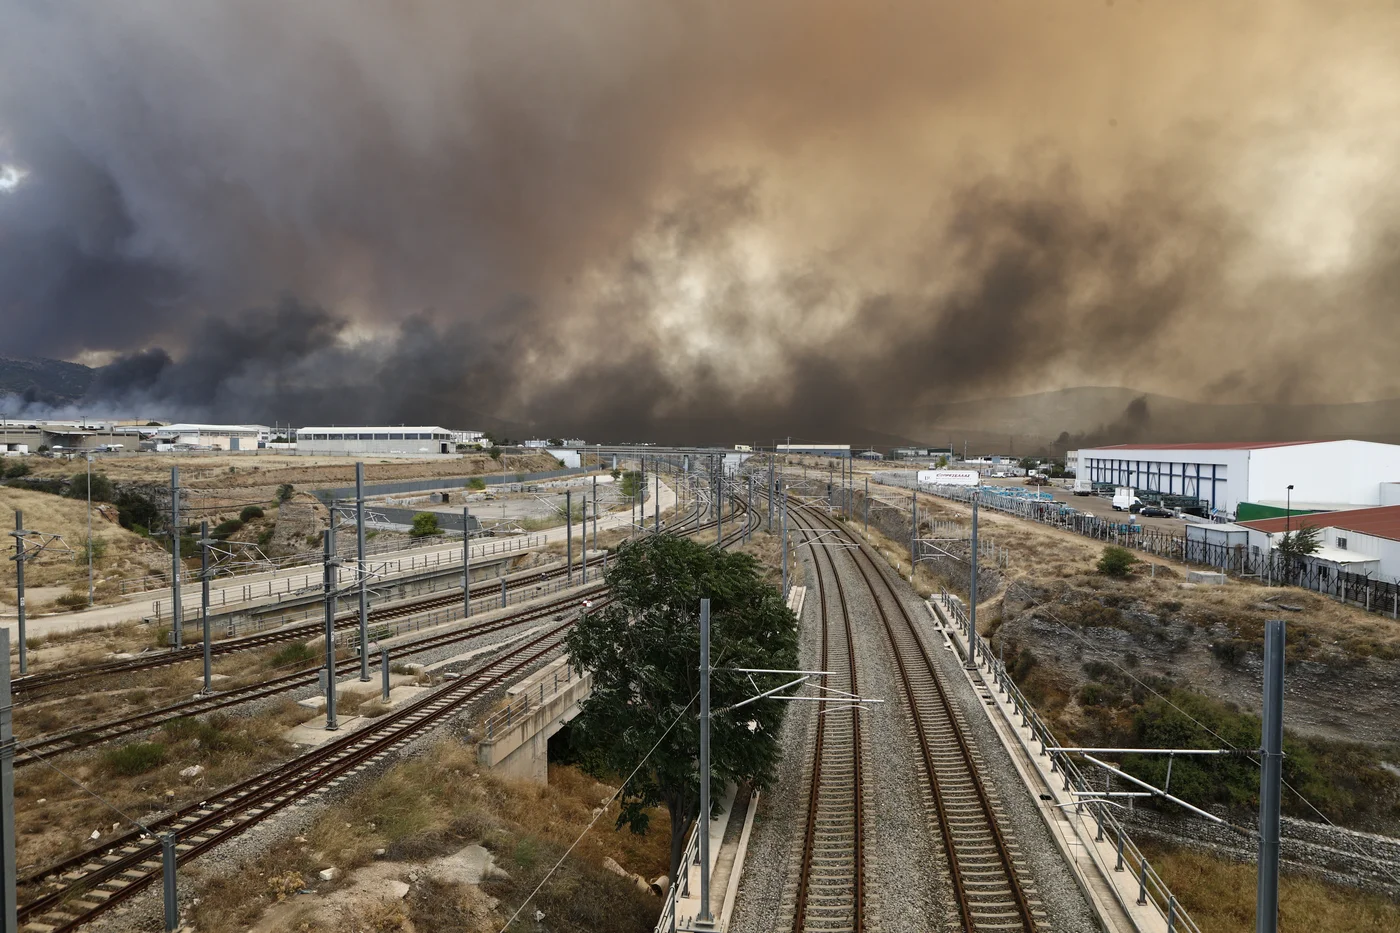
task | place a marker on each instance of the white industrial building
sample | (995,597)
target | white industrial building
(816,450)
(1325,475)
(213,436)
(356,440)
(1361,541)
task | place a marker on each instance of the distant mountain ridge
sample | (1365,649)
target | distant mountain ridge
(44,381)
(1089,416)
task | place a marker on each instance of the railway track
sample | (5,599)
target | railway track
(830,891)
(34,686)
(983,858)
(33,750)
(67,894)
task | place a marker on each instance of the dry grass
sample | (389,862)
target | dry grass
(1219,894)
(126,554)
(230,750)
(435,805)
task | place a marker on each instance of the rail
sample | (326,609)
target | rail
(516,709)
(1130,857)
(314,581)
(680,886)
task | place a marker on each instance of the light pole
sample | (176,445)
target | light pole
(89,534)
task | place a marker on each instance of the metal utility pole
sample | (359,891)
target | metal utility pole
(360,566)
(10,905)
(719,510)
(972,592)
(656,506)
(89,534)
(19,559)
(204,542)
(702,823)
(569,535)
(583,549)
(1270,780)
(466,567)
(913,532)
(772,480)
(782,511)
(750,501)
(176,622)
(595,514)
(330,584)
(867,507)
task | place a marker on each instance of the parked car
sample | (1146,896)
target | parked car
(1155,511)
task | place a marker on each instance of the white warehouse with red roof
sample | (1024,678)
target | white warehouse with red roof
(1325,475)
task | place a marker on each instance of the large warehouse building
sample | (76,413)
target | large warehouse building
(1252,480)
(354,440)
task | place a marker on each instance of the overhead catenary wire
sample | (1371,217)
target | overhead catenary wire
(1040,608)
(573,845)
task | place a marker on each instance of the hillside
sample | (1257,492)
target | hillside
(48,382)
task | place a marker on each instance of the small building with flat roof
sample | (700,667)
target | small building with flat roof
(358,440)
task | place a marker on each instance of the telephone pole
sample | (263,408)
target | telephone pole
(360,567)
(176,610)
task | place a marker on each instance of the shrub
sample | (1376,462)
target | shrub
(495,452)
(135,509)
(96,548)
(101,487)
(425,524)
(224,529)
(476,484)
(17,469)
(136,758)
(265,537)
(249,513)
(1116,561)
(295,653)
(73,600)
(284,492)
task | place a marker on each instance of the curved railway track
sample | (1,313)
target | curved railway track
(34,686)
(32,750)
(983,859)
(830,893)
(67,894)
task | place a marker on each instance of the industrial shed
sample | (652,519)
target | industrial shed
(1325,475)
(356,440)
(815,450)
(1360,541)
(213,436)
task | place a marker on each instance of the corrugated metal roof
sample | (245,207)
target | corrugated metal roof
(1218,445)
(1383,522)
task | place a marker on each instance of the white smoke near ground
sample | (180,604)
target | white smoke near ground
(655,217)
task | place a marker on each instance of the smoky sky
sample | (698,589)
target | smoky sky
(628,219)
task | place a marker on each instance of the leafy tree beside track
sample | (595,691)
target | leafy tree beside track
(644,652)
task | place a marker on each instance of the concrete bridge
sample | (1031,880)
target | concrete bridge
(515,740)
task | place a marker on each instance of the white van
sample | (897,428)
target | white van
(1125,499)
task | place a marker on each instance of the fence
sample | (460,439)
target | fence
(1373,594)
(516,709)
(668,922)
(1130,858)
(315,581)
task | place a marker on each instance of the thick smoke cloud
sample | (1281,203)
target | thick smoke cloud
(640,220)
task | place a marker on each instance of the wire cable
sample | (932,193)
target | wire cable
(599,814)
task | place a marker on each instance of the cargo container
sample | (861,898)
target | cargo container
(950,477)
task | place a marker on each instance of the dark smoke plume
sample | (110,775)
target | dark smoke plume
(695,220)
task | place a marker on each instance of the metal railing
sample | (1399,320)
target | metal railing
(680,886)
(516,709)
(313,582)
(1129,857)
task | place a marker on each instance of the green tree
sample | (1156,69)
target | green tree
(1028,463)
(425,524)
(644,652)
(101,487)
(284,492)
(1116,561)
(631,483)
(1297,544)
(942,462)
(495,452)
